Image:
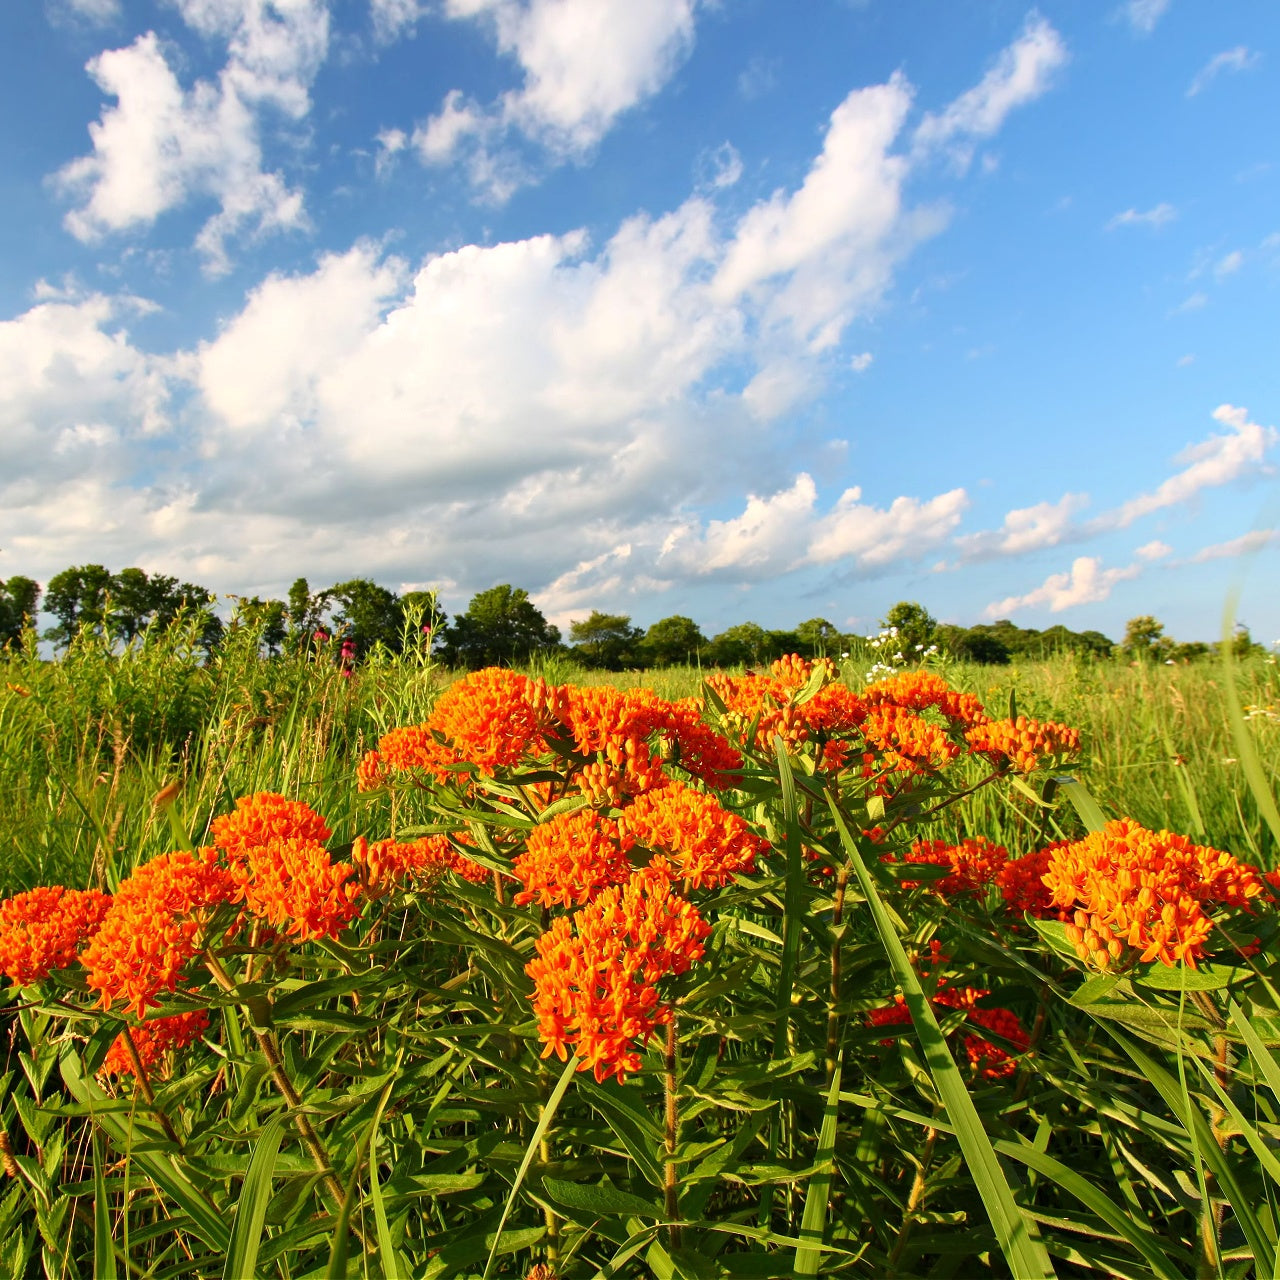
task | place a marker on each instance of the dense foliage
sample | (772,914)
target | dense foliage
(807,1026)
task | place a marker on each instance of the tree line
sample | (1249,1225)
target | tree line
(352,619)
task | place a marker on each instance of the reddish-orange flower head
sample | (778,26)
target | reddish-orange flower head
(707,844)
(1023,744)
(975,863)
(154,1040)
(488,719)
(570,859)
(151,932)
(44,929)
(295,883)
(1128,887)
(595,972)
(263,817)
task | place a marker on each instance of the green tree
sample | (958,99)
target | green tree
(605,640)
(269,617)
(973,644)
(306,613)
(77,597)
(501,625)
(819,638)
(739,646)
(672,640)
(915,626)
(19,603)
(1145,640)
(371,615)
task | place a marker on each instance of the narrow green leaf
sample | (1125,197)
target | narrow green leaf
(251,1208)
(104,1254)
(1083,803)
(793,920)
(1258,1052)
(1015,1230)
(1095,989)
(544,1123)
(817,1197)
(600,1199)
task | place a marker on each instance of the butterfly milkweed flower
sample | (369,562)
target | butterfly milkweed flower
(1130,889)
(266,816)
(975,863)
(1023,744)
(294,882)
(572,858)
(44,929)
(386,863)
(595,972)
(487,718)
(153,928)
(707,844)
(153,1040)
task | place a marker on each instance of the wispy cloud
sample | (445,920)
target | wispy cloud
(1238,59)
(1142,15)
(1254,541)
(1157,217)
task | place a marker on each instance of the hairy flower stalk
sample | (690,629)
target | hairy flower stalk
(671,1190)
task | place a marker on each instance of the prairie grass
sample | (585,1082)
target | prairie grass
(89,741)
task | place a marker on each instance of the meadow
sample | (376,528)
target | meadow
(588,982)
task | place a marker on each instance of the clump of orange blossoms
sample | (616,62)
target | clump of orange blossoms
(294,882)
(1023,744)
(568,861)
(44,929)
(595,972)
(1130,889)
(154,1040)
(151,931)
(266,816)
(708,845)
(975,863)
(384,864)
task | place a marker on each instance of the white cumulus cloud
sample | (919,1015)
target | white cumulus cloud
(1087,582)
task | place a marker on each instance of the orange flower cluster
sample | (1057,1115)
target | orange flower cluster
(764,702)
(153,1040)
(294,882)
(44,929)
(1130,888)
(262,817)
(921,690)
(404,751)
(595,973)
(906,741)
(151,931)
(571,859)
(488,719)
(1021,882)
(708,844)
(975,863)
(385,863)
(1024,744)
(985,1058)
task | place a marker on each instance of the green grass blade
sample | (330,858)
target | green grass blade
(544,1123)
(1015,1230)
(104,1254)
(251,1209)
(817,1198)
(1258,1052)
(1083,803)
(1246,751)
(792,925)
(1153,1248)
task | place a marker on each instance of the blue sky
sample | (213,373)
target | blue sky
(744,309)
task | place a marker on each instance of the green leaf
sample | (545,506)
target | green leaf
(104,1254)
(1100,985)
(600,1199)
(817,1197)
(544,1123)
(631,1123)
(251,1208)
(1205,977)
(1015,1230)
(1083,803)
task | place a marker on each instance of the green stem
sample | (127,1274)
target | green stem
(670,1183)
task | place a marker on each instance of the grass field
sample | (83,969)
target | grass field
(87,742)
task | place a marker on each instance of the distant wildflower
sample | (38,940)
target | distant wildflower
(44,929)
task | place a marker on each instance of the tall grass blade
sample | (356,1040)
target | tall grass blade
(1083,803)
(817,1198)
(251,1209)
(104,1254)
(1015,1230)
(1246,751)
(544,1123)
